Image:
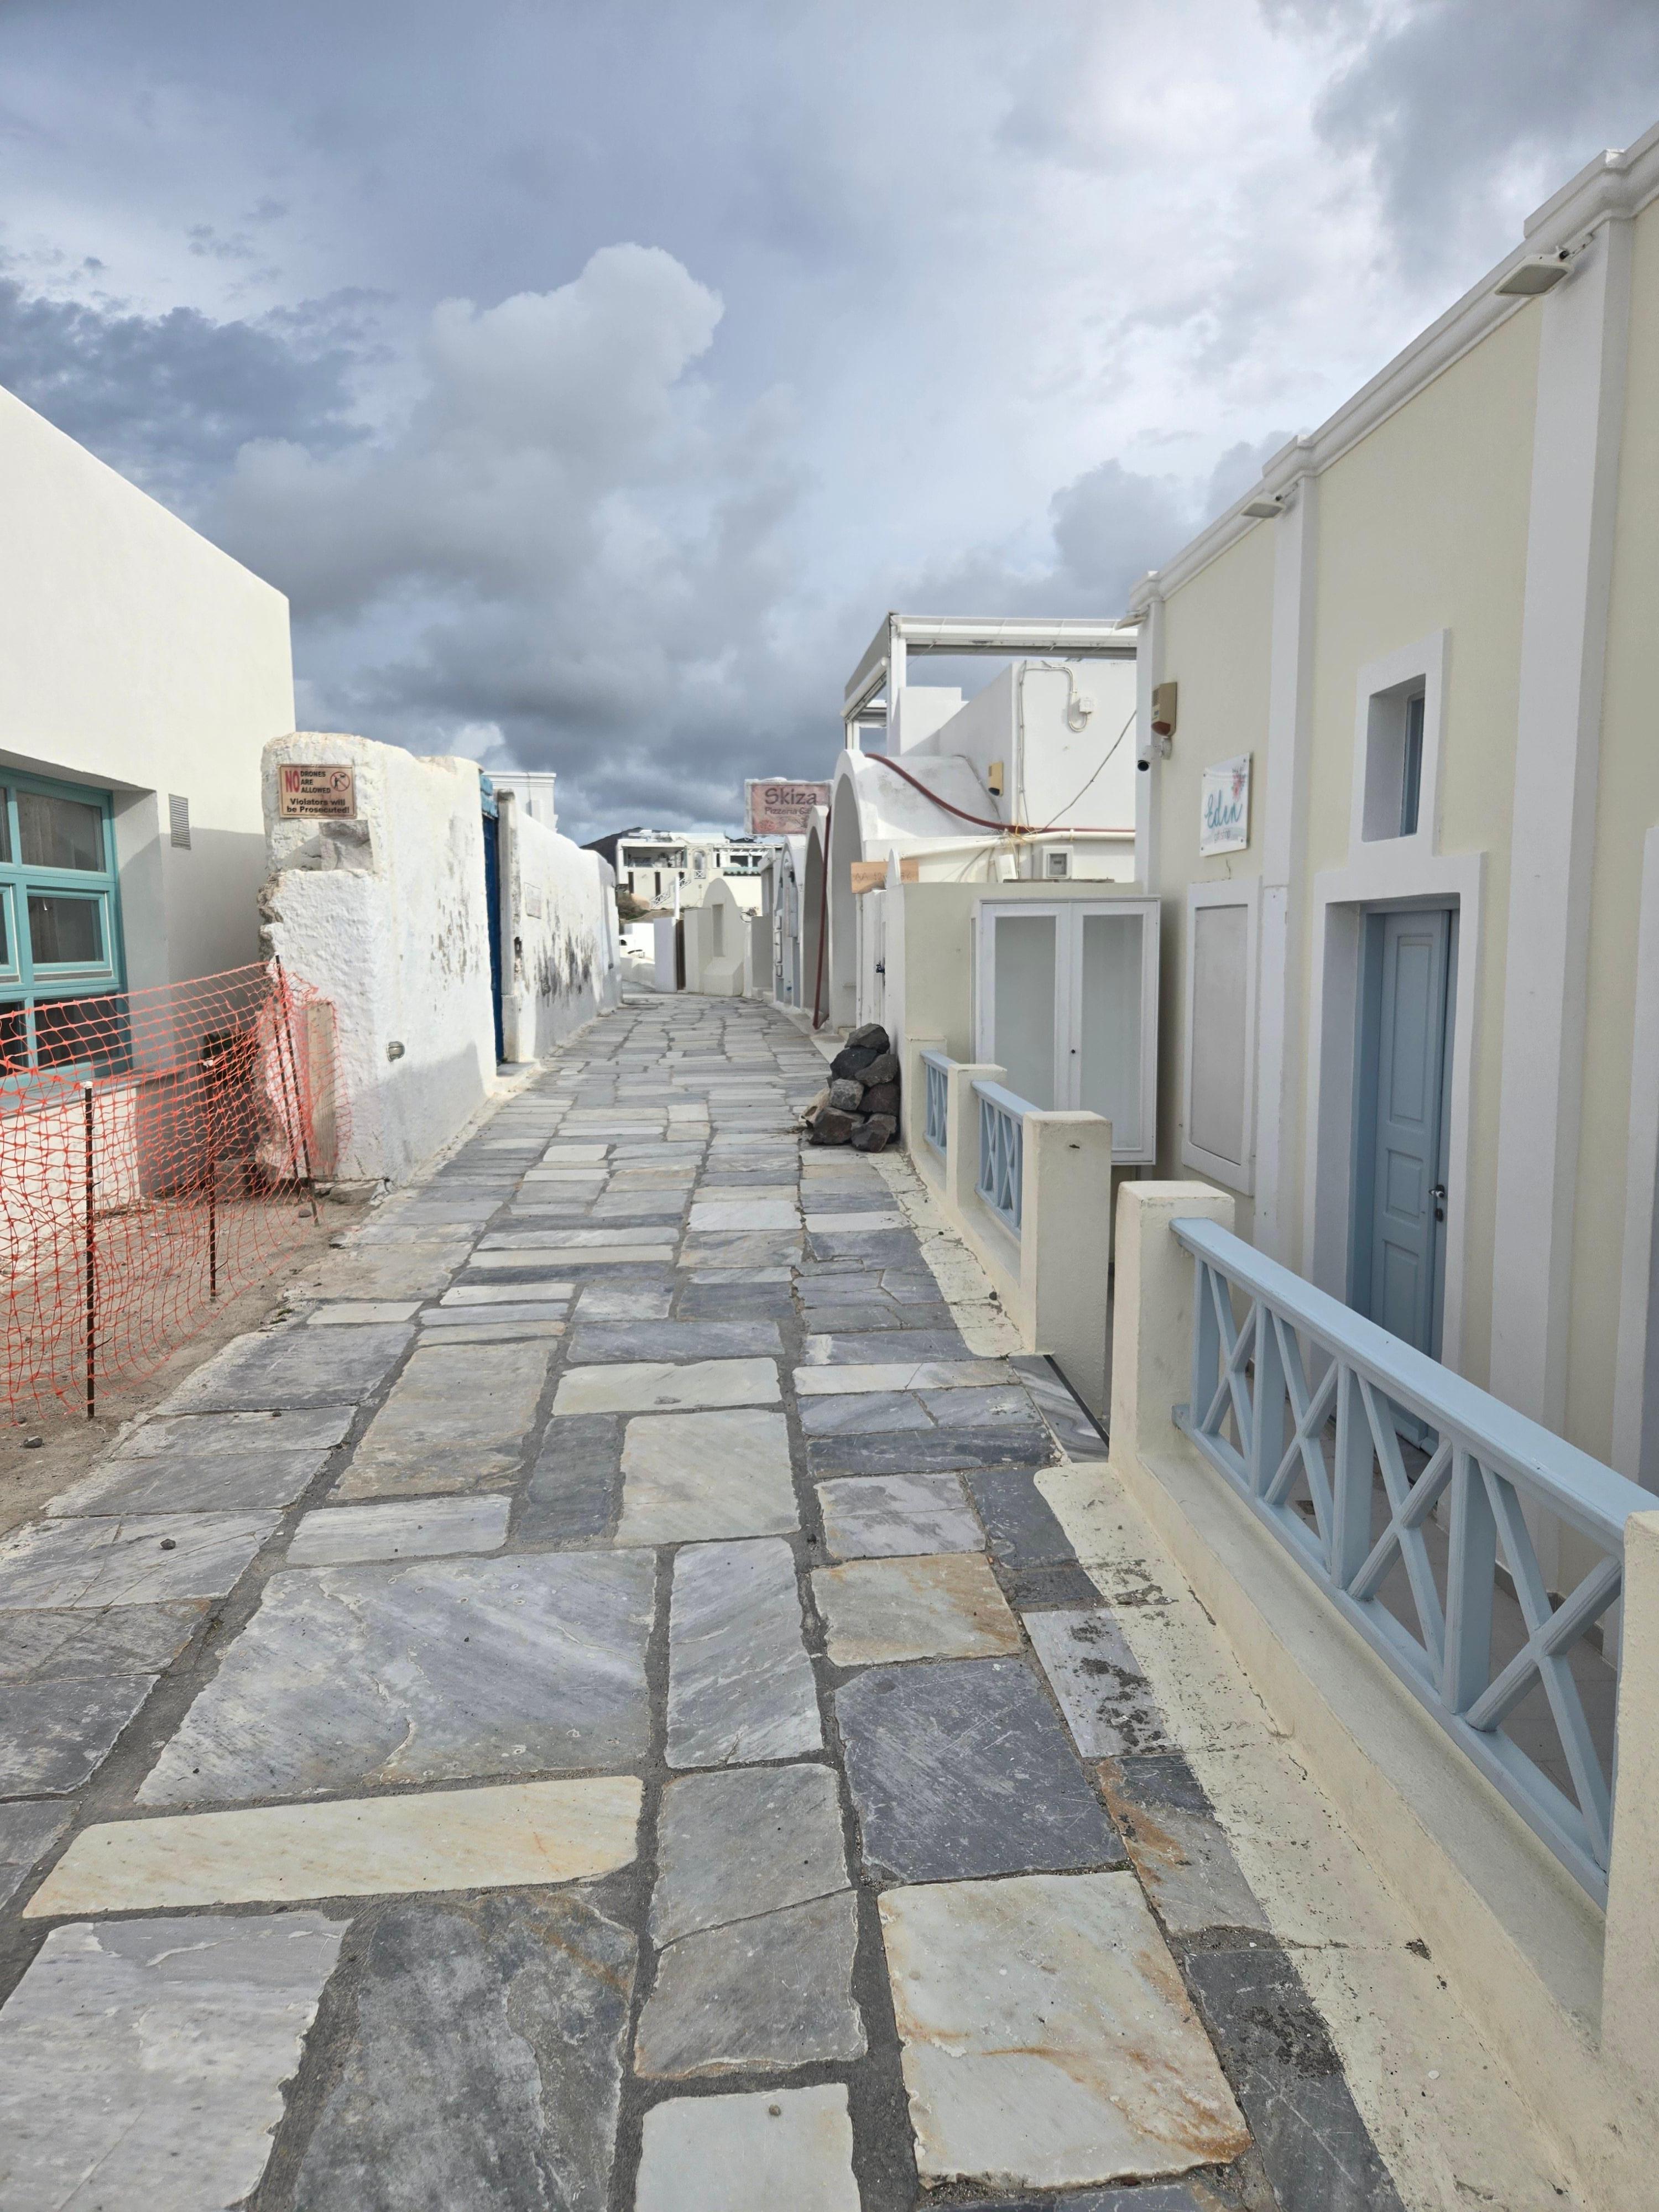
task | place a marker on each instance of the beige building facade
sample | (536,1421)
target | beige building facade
(1431,632)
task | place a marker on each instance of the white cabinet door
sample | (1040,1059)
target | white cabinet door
(1067,1003)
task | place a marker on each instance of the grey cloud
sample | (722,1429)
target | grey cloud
(170,399)
(1461,108)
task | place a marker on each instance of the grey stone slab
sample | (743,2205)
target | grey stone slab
(1006,1407)
(675,1340)
(879,1248)
(484,2066)
(127,1639)
(1316,2148)
(863,1412)
(1063,1587)
(395,1271)
(665,1386)
(27,1833)
(1047,2038)
(1074,1430)
(734,1296)
(235,1482)
(435,1670)
(938,1605)
(335,1534)
(604,1302)
(471,1295)
(105,2100)
(883,1517)
(1178,1846)
(753,1839)
(690,1478)
(706,1251)
(775,1991)
(1107,1702)
(1022,1528)
(145,1559)
(825,1350)
(919,1452)
(1145,2197)
(574,1491)
(758,2151)
(960,1769)
(292,1367)
(54,1735)
(457,1417)
(740,1685)
(212,1436)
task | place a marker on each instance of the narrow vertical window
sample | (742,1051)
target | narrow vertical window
(1411,779)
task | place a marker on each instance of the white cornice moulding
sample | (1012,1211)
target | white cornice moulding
(1613,184)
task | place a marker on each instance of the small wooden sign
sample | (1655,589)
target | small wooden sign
(308,789)
(871,875)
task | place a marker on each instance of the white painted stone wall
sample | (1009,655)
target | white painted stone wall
(560,938)
(137,658)
(385,916)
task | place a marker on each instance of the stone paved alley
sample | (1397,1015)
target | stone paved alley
(597,1711)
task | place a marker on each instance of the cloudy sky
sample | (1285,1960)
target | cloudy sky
(592,378)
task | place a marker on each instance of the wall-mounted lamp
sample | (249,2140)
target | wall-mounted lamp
(1539,272)
(1265,508)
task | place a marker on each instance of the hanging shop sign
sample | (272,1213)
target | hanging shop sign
(777,809)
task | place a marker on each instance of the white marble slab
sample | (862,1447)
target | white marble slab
(883,1516)
(489,1839)
(744,1214)
(660,1385)
(456,1416)
(344,1312)
(500,1294)
(630,1255)
(853,1224)
(692,1478)
(142,2063)
(760,2152)
(895,1375)
(1048,2042)
(334,1535)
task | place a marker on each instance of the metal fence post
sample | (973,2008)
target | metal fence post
(92,1262)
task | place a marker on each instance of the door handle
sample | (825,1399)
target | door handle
(1437,1193)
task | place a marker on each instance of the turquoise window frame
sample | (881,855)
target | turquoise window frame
(24,982)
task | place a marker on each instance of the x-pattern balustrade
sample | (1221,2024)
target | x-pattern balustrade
(1310,1411)
(936,1079)
(1001,1151)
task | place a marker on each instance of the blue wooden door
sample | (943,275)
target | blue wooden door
(1407,1197)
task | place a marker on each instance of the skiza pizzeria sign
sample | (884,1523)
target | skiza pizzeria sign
(1224,824)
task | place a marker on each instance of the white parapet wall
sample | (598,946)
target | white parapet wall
(560,936)
(383,913)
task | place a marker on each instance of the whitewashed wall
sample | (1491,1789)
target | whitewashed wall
(139,658)
(559,938)
(385,916)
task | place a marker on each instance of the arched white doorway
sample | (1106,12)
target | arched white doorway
(846,846)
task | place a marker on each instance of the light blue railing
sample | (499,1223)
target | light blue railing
(1297,1400)
(1001,1150)
(936,1077)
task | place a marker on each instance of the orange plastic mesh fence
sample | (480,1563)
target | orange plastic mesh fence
(156,1151)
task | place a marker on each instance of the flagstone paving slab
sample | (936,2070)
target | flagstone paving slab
(731,1845)
(690,1478)
(456,1416)
(1047,2039)
(945,1606)
(351,1313)
(430,1671)
(27,1832)
(138,1559)
(1077,1433)
(674,1339)
(775,1991)
(237,1482)
(819,1381)
(1177,1845)
(210,1435)
(502,1294)
(1315,2145)
(526,1264)
(745,1214)
(495,1838)
(756,2153)
(960,1768)
(875,1413)
(105,2101)
(740,1685)
(289,1367)
(926,1450)
(1019,1520)
(54,1735)
(574,1491)
(945,1345)
(884,1516)
(493,1330)
(1108,1703)
(602,1302)
(484,2068)
(334,1534)
(661,1386)
(127,1639)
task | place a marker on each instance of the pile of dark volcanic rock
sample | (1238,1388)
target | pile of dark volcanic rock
(860,1108)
